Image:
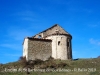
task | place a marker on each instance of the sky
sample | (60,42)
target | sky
(23,18)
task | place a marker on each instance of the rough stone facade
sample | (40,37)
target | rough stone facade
(39,49)
(51,31)
(54,42)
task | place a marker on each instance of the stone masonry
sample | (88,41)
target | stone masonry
(39,49)
(54,42)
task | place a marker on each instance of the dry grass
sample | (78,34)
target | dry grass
(89,64)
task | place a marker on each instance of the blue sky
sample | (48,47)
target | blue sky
(22,18)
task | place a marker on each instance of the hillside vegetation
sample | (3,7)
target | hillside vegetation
(54,67)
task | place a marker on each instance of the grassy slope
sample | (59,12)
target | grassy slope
(88,64)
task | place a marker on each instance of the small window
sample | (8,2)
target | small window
(39,36)
(58,42)
(57,31)
(67,44)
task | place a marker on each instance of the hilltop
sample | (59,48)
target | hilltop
(69,67)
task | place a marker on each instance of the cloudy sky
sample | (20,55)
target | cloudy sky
(22,18)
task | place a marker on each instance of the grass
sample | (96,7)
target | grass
(54,73)
(77,67)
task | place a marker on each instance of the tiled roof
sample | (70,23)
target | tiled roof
(41,39)
(51,28)
(59,34)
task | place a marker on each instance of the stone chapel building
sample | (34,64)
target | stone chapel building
(54,42)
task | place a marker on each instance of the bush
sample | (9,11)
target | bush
(38,61)
(62,65)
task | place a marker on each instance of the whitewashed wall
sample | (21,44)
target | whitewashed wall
(25,48)
(59,51)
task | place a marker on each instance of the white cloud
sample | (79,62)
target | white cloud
(11,46)
(95,42)
(18,34)
(92,41)
(11,54)
(28,19)
(14,38)
(94,25)
(26,13)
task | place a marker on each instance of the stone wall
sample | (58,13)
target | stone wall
(39,49)
(61,47)
(54,41)
(51,31)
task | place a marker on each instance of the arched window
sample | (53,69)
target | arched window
(58,42)
(67,42)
